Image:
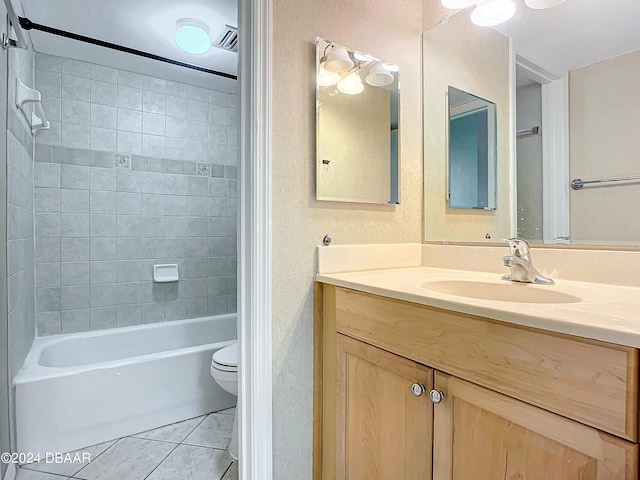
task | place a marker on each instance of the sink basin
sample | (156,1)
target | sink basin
(502,292)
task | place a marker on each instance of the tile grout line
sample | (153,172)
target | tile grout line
(163,460)
(97,456)
(227,470)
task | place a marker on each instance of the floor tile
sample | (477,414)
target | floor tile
(214,432)
(193,463)
(33,475)
(67,469)
(175,433)
(129,459)
(232,473)
(228,411)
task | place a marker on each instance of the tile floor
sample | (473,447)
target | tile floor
(194,449)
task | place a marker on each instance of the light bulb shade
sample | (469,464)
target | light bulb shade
(456,4)
(338,60)
(326,79)
(379,76)
(351,84)
(192,36)
(540,4)
(492,12)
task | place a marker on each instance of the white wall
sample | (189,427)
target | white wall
(385,30)
(604,113)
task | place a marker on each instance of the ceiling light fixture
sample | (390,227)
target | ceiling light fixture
(492,12)
(192,36)
(541,4)
(351,84)
(379,76)
(456,4)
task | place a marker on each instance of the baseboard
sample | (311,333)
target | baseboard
(11,473)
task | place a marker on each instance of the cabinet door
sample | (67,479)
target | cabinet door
(383,430)
(482,435)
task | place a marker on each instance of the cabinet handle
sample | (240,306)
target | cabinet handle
(418,389)
(436,396)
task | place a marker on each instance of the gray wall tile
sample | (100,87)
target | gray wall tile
(76,88)
(74,201)
(115,222)
(74,273)
(74,249)
(104,116)
(74,321)
(102,272)
(74,225)
(103,93)
(75,177)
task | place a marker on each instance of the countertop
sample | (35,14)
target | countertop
(609,313)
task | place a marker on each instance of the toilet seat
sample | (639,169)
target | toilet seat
(226,359)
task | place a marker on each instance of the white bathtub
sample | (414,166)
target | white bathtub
(77,390)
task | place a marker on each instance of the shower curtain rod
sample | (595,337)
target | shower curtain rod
(29,25)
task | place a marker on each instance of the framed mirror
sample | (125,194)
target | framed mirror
(471,151)
(357,126)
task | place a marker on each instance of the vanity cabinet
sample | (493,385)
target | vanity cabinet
(508,401)
(382,424)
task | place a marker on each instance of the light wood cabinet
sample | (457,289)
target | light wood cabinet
(482,435)
(383,430)
(518,403)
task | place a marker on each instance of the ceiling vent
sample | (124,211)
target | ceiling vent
(228,39)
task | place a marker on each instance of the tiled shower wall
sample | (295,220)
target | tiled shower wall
(20,254)
(100,228)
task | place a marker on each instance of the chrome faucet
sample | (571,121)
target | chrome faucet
(522,269)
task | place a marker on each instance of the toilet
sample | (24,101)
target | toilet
(224,370)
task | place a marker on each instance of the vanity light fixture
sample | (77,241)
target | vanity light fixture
(337,60)
(541,4)
(326,79)
(351,84)
(192,36)
(379,76)
(492,12)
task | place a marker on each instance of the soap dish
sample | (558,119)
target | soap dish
(165,273)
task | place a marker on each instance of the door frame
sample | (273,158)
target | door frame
(555,151)
(254,248)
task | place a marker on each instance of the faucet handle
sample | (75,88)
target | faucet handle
(519,247)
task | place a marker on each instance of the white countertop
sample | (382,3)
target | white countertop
(609,313)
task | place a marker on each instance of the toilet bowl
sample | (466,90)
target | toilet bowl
(224,370)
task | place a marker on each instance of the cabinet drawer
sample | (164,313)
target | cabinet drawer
(593,382)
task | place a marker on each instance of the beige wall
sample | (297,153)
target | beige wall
(476,60)
(385,30)
(604,106)
(354,133)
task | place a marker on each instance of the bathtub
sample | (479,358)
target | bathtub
(81,389)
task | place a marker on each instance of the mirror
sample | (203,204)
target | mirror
(357,128)
(571,91)
(472,151)
(474,60)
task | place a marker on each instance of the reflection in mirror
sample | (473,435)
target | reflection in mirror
(577,66)
(476,60)
(357,158)
(472,151)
